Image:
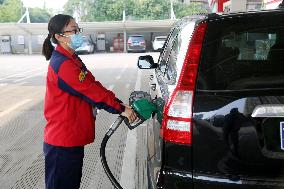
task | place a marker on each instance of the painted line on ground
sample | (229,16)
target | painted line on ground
(121,72)
(127,178)
(9,87)
(14,107)
(22,83)
(27,77)
(18,74)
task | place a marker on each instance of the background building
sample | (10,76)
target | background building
(271,4)
(236,5)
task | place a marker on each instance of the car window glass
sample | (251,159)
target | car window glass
(171,71)
(137,38)
(163,53)
(243,57)
(167,68)
(251,46)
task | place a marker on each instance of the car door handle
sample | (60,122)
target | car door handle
(268,110)
(153,86)
(151,77)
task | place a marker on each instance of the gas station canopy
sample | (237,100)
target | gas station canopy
(90,27)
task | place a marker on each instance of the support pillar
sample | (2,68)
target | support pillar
(30,44)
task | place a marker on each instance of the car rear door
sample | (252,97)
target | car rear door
(167,154)
(238,129)
(158,90)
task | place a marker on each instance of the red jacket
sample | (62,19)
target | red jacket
(71,91)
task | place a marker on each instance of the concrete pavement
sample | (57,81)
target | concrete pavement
(22,88)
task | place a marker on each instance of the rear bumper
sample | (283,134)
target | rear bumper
(209,182)
(136,48)
(171,179)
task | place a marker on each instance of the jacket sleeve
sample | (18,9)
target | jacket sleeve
(88,89)
(99,84)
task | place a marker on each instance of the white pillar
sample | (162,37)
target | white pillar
(125,40)
(173,16)
(124,32)
(30,44)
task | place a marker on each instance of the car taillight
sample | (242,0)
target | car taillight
(177,121)
(179,106)
(142,43)
(129,42)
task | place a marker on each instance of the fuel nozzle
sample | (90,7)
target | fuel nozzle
(143,106)
(141,103)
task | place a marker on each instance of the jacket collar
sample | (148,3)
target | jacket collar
(63,51)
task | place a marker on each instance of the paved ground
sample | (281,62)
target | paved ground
(22,89)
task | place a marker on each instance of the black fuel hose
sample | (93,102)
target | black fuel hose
(111,130)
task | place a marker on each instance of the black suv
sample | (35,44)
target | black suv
(220,83)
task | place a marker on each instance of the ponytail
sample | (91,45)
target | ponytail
(47,47)
(55,26)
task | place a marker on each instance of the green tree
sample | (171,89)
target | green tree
(152,9)
(103,10)
(112,10)
(182,9)
(79,7)
(38,15)
(98,11)
(70,6)
(11,10)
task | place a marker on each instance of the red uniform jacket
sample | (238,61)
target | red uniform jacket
(71,92)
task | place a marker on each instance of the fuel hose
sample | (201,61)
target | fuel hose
(111,130)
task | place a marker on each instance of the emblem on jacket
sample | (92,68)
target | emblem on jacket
(82,75)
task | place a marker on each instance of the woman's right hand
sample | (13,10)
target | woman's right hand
(129,113)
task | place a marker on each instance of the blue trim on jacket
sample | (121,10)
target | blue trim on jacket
(57,60)
(101,105)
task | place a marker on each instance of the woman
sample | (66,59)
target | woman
(71,94)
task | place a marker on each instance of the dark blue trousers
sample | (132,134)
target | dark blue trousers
(63,166)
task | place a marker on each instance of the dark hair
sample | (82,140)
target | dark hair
(55,26)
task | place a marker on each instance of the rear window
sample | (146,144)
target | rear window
(137,38)
(243,54)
